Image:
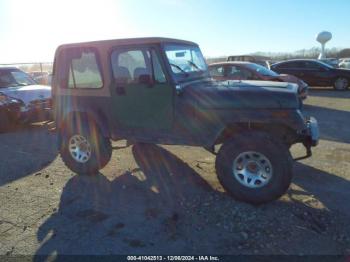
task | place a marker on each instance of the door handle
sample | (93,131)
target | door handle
(179,90)
(120,90)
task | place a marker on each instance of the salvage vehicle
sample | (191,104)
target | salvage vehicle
(333,62)
(36,99)
(315,73)
(40,77)
(344,63)
(158,90)
(250,71)
(260,60)
(9,112)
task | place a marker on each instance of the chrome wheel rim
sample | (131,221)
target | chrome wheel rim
(79,148)
(252,169)
(341,83)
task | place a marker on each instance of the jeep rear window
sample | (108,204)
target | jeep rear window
(84,71)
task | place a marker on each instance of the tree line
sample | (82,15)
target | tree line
(311,53)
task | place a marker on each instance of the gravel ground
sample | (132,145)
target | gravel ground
(167,200)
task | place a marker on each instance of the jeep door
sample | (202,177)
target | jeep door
(142,98)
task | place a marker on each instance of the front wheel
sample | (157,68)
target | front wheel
(83,149)
(341,84)
(254,168)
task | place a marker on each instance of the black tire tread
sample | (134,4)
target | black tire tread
(94,165)
(254,139)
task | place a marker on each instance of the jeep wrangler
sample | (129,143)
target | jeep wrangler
(158,90)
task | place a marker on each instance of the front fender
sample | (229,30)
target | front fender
(279,120)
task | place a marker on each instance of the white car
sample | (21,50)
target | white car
(35,99)
(345,63)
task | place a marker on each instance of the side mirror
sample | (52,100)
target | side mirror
(146,79)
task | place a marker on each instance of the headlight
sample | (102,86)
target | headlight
(3,98)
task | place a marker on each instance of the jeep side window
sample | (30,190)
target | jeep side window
(129,65)
(84,71)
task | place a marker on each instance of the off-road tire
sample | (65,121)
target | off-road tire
(275,151)
(101,148)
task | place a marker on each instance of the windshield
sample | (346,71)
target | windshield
(186,61)
(14,77)
(261,70)
(326,64)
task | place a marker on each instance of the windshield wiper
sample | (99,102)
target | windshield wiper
(193,64)
(178,67)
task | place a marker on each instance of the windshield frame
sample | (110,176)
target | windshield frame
(184,76)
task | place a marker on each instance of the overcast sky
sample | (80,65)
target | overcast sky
(31,30)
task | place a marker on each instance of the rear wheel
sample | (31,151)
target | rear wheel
(254,168)
(341,84)
(83,149)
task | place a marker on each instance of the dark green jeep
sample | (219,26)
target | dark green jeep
(158,90)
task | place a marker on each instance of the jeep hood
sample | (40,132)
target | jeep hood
(28,94)
(243,94)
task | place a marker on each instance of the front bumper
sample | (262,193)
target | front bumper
(39,110)
(309,137)
(313,131)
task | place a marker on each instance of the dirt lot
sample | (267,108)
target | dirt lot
(167,200)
